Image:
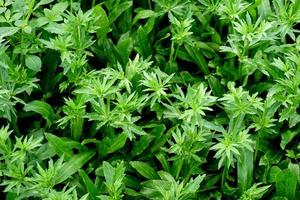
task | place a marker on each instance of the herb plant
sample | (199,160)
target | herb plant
(162,99)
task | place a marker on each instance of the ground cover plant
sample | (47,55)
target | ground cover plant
(149,99)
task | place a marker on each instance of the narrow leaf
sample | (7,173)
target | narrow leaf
(73,165)
(144,169)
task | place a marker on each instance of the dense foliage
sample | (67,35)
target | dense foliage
(161,99)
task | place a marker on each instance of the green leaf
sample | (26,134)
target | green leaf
(143,43)
(42,108)
(110,145)
(140,145)
(215,85)
(144,169)
(114,178)
(162,158)
(7,31)
(102,22)
(198,58)
(124,48)
(210,182)
(295,169)
(90,186)
(143,14)
(162,139)
(118,10)
(33,62)
(286,137)
(274,171)
(64,146)
(73,165)
(286,184)
(264,8)
(42,2)
(245,170)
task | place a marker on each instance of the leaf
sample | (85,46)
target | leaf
(110,145)
(286,137)
(64,146)
(90,186)
(295,169)
(245,170)
(143,14)
(118,10)
(264,8)
(42,108)
(274,171)
(73,165)
(140,145)
(33,62)
(7,31)
(162,158)
(60,7)
(144,169)
(193,185)
(198,58)
(215,86)
(213,126)
(143,43)
(124,49)
(102,22)
(162,139)
(210,182)
(286,184)
(42,2)
(114,175)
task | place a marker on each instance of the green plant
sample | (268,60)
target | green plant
(162,99)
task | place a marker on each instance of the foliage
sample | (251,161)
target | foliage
(162,99)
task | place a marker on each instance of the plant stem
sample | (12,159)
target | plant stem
(225,174)
(76,128)
(178,167)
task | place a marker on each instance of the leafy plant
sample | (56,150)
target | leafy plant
(163,99)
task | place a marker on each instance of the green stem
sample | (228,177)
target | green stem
(178,167)
(171,52)
(188,176)
(30,10)
(93,3)
(175,54)
(71,6)
(76,128)
(149,4)
(15,126)
(225,174)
